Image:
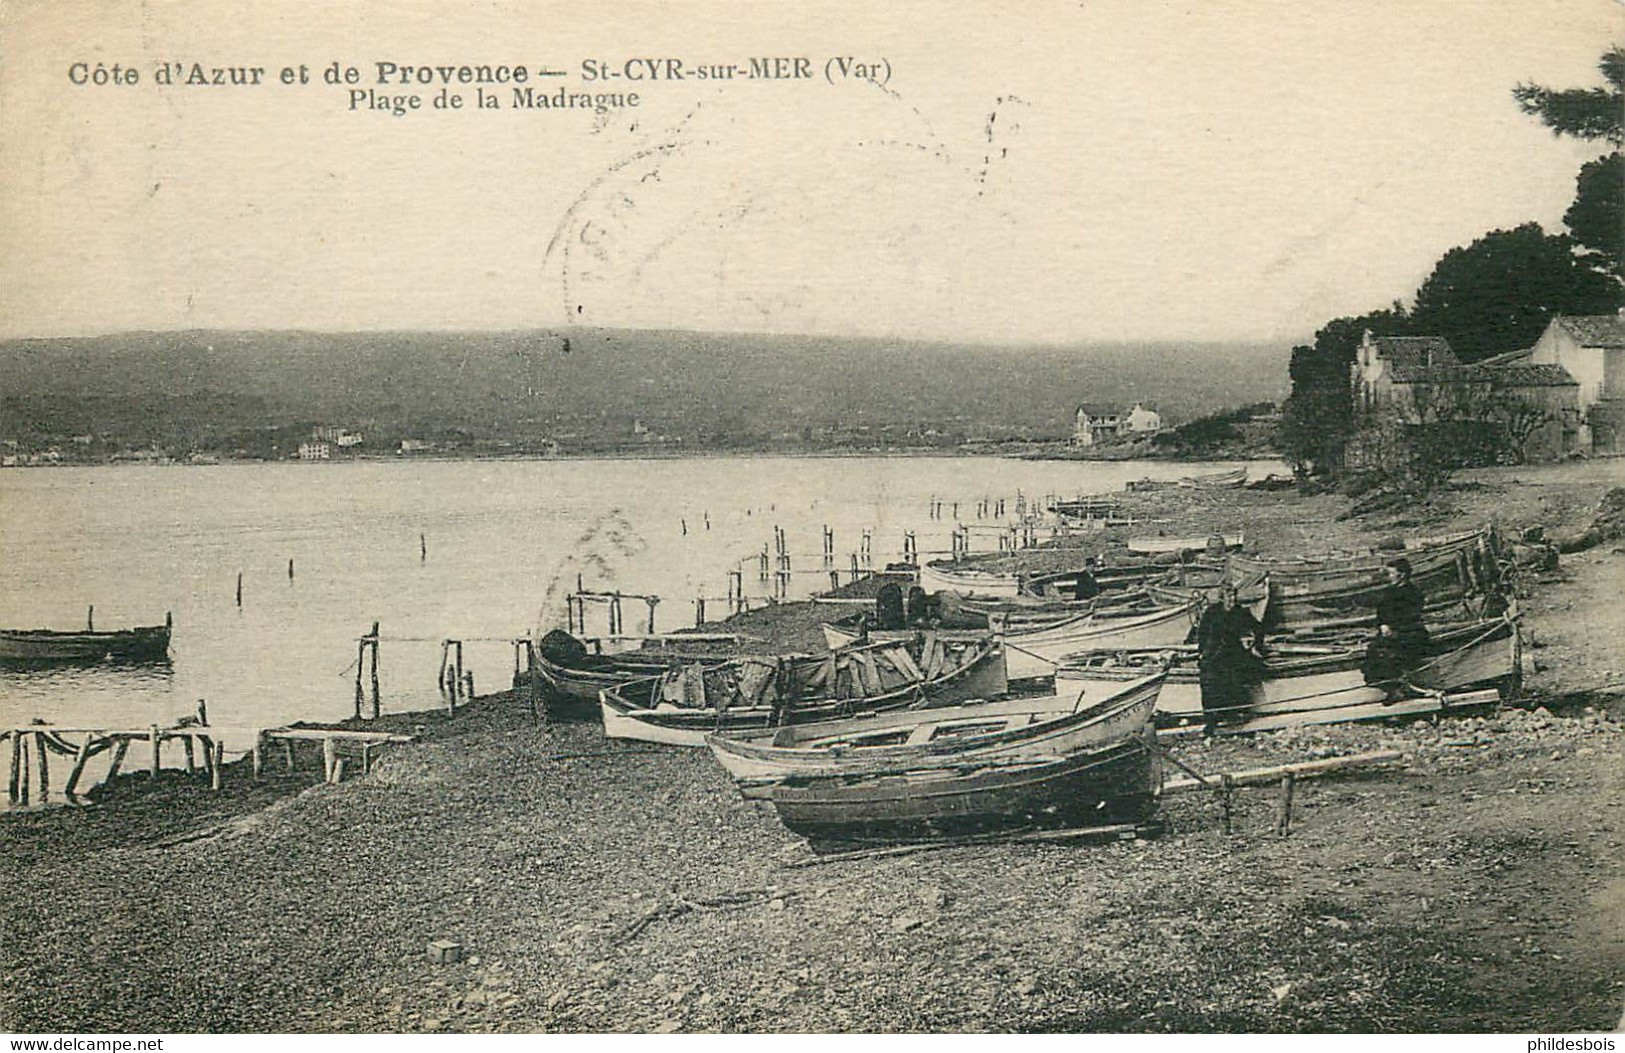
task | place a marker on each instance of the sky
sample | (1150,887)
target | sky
(1016,173)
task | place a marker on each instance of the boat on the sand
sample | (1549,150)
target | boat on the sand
(1004,731)
(682,706)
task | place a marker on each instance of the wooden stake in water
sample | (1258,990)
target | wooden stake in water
(423,548)
(239,588)
(290,570)
(90,619)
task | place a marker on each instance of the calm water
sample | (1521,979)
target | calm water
(505,543)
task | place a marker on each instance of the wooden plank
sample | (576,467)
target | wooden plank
(1299,769)
(119,750)
(78,769)
(1118,832)
(348,736)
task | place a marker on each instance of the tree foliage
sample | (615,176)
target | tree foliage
(1597,217)
(1498,293)
(1582,113)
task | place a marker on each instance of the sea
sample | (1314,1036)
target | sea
(480,550)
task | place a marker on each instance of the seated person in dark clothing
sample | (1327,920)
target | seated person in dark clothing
(1227,637)
(1402,640)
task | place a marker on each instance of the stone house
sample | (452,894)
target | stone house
(1591,348)
(1511,403)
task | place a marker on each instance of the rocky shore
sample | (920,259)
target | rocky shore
(604,886)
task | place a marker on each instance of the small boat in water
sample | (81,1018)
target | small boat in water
(144,643)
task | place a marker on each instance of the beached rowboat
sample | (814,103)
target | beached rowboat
(1034,652)
(1117,781)
(1305,677)
(681,707)
(1004,731)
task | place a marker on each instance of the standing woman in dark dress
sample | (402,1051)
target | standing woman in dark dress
(1402,639)
(1226,638)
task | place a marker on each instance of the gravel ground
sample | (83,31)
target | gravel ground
(603,886)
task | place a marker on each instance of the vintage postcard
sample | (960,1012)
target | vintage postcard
(835,517)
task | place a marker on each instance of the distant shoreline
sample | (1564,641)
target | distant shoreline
(1057,454)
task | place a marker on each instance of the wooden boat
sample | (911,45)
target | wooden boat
(1034,652)
(1028,612)
(577,676)
(681,707)
(144,643)
(1309,677)
(1004,731)
(1113,782)
(1151,546)
(1216,480)
(951,576)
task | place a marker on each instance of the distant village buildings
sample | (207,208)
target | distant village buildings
(1096,423)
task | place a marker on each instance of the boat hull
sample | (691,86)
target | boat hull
(1008,731)
(45,647)
(1481,654)
(631,711)
(1114,784)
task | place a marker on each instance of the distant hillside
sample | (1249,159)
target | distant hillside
(211,389)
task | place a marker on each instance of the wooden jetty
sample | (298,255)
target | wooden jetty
(33,745)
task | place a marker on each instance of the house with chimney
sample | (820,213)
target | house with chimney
(1514,404)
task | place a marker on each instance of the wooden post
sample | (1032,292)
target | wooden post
(152,736)
(699,611)
(459,663)
(186,749)
(11,784)
(78,769)
(338,770)
(329,759)
(440,676)
(239,588)
(258,753)
(373,672)
(651,601)
(1226,792)
(834,580)
(287,753)
(1283,814)
(90,619)
(536,707)
(423,548)
(218,752)
(44,767)
(468,684)
(360,661)
(208,754)
(27,778)
(290,570)
(119,750)
(366,758)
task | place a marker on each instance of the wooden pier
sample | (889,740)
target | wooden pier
(32,747)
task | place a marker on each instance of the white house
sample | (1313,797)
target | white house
(315,451)
(1142,420)
(1096,424)
(1592,349)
